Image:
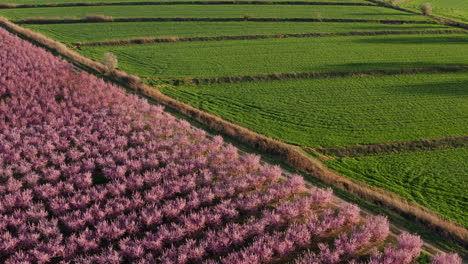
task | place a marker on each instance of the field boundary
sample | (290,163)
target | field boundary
(267,36)
(9,6)
(309,75)
(395,147)
(41,20)
(292,155)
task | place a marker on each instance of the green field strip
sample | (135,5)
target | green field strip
(339,112)
(213,2)
(215,11)
(452,9)
(251,37)
(264,56)
(95,32)
(301,75)
(35,2)
(101,19)
(433,179)
(397,147)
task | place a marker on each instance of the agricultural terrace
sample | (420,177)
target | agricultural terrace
(214,11)
(98,32)
(418,176)
(322,54)
(93,175)
(320,75)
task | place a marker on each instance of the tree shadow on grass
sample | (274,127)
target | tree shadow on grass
(358,66)
(413,27)
(386,14)
(441,39)
(449,88)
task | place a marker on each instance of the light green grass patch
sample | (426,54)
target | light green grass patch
(215,11)
(454,9)
(92,32)
(434,179)
(240,57)
(338,112)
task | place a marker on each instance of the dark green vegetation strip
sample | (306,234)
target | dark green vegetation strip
(250,37)
(186,3)
(339,112)
(397,147)
(216,11)
(266,56)
(434,179)
(73,33)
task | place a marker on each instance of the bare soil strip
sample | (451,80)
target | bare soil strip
(175,19)
(292,155)
(250,37)
(396,147)
(310,75)
(6,6)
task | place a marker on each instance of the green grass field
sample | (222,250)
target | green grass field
(113,1)
(239,57)
(113,31)
(214,11)
(434,179)
(341,111)
(454,9)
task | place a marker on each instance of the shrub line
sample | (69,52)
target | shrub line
(267,36)
(292,155)
(310,75)
(41,20)
(6,6)
(396,147)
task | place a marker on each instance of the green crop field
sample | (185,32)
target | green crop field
(129,1)
(214,11)
(71,33)
(434,179)
(341,111)
(454,9)
(238,57)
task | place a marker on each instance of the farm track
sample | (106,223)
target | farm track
(41,21)
(311,75)
(395,147)
(187,3)
(250,37)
